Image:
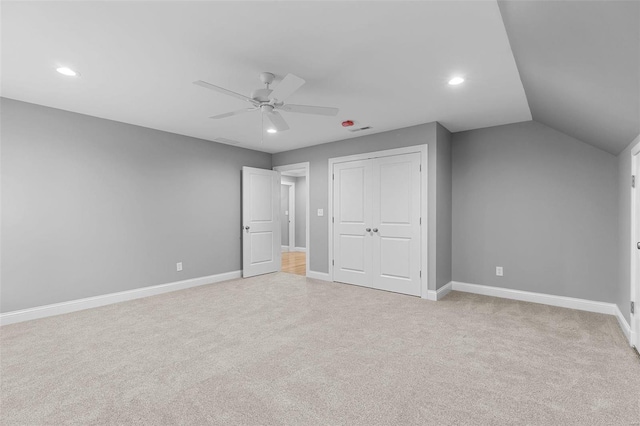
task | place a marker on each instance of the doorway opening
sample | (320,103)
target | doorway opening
(294,217)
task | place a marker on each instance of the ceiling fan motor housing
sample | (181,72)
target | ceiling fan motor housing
(261,95)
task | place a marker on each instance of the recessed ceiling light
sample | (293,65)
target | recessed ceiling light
(456,80)
(272,131)
(67,71)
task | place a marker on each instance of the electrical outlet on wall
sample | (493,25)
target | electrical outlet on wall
(179,266)
(499,271)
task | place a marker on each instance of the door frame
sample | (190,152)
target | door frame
(634,337)
(292,213)
(305,166)
(424,194)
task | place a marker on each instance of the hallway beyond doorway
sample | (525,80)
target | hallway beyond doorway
(294,263)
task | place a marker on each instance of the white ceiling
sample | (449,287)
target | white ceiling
(384,64)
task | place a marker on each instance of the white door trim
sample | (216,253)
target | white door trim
(424,234)
(635,283)
(305,166)
(292,213)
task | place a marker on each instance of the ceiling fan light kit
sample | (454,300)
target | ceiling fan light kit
(269,101)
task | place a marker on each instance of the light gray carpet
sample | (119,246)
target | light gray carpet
(283,349)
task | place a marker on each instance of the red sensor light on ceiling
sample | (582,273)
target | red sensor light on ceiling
(347,123)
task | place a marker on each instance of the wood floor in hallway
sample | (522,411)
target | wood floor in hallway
(294,263)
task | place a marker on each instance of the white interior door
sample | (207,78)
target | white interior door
(352,207)
(396,221)
(260,221)
(376,223)
(635,317)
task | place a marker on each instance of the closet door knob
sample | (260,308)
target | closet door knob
(368,229)
(375,229)
(246,227)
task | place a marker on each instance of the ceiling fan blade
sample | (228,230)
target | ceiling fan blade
(224,91)
(308,109)
(278,121)
(229,114)
(287,86)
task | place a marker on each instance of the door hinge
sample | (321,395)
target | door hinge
(333,219)
(420,274)
(333,262)
(633,181)
(420,221)
(633,307)
(333,176)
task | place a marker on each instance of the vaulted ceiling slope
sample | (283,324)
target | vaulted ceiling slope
(579,62)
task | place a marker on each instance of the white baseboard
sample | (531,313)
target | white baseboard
(108,299)
(318,275)
(545,299)
(284,248)
(299,249)
(624,325)
(548,299)
(440,293)
(444,290)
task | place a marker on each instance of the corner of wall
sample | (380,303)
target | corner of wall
(443,206)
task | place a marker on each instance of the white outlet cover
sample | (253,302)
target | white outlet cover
(179,266)
(320,212)
(499,271)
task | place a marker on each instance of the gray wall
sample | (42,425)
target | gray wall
(623,293)
(301,211)
(539,203)
(443,207)
(91,206)
(318,157)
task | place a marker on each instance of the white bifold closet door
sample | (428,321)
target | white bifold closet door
(377,223)
(353,216)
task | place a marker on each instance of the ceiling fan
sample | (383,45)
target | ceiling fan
(270,101)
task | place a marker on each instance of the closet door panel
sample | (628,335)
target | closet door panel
(352,212)
(396,216)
